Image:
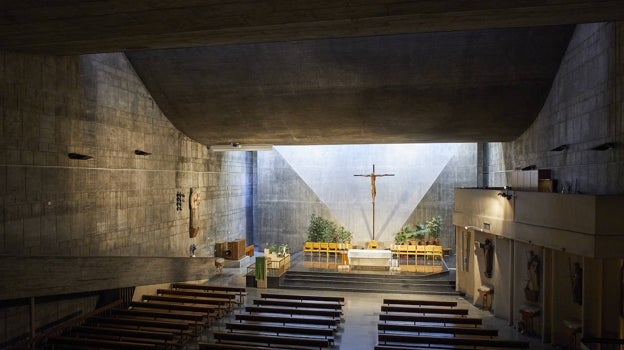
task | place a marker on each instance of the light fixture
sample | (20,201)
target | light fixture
(138,152)
(237,146)
(78,156)
(560,148)
(505,194)
(604,146)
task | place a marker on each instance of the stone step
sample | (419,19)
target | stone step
(400,283)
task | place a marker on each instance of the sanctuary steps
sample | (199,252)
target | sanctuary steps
(441,283)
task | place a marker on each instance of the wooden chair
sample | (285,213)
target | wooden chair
(308,247)
(324,249)
(333,250)
(420,251)
(316,248)
(403,251)
(428,252)
(437,252)
(411,251)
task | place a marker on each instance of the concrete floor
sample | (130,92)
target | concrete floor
(359,327)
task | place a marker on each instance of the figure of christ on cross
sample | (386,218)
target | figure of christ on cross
(373,178)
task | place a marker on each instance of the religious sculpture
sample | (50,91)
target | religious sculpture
(531,289)
(576,277)
(488,252)
(194,217)
(373,178)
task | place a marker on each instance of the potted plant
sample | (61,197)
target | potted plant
(420,232)
(435,227)
(403,235)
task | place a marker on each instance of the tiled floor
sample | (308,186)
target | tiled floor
(361,310)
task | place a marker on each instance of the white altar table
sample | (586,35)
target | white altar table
(369,257)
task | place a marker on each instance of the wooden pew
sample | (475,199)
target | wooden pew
(197,319)
(221,306)
(408,328)
(431,319)
(327,333)
(423,310)
(216,296)
(291,311)
(303,297)
(63,342)
(455,341)
(329,322)
(419,302)
(137,336)
(270,340)
(208,311)
(182,329)
(225,346)
(299,304)
(240,291)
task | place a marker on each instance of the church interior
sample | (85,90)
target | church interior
(390,175)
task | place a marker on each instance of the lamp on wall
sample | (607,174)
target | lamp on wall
(560,148)
(78,156)
(506,193)
(138,152)
(604,146)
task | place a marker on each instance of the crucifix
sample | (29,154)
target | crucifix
(373,177)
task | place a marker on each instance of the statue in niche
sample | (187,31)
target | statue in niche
(531,289)
(194,218)
(488,252)
(576,277)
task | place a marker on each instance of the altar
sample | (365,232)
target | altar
(369,257)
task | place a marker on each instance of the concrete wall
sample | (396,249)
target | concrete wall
(438,201)
(284,204)
(583,110)
(117,203)
(295,182)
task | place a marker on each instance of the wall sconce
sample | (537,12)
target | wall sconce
(604,146)
(506,193)
(138,152)
(560,148)
(78,156)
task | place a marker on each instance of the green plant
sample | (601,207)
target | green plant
(421,231)
(403,235)
(435,227)
(324,230)
(272,248)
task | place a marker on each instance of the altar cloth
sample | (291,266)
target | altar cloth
(369,257)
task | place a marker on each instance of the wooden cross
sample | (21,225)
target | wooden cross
(373,178)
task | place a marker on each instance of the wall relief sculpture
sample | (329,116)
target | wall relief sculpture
(488,252)
(531,289)
(194,216)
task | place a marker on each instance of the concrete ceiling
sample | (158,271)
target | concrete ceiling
(324,72)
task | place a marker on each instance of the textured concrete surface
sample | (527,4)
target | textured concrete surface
(319,180)
(99,26)
(472,86)
(583,110)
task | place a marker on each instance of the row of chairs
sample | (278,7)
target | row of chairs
(428,252)
(326,248)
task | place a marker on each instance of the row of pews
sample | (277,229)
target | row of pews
(166,320)
(423,324)
(279,320)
